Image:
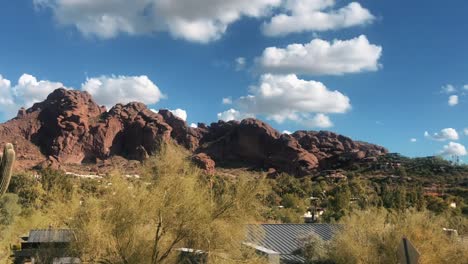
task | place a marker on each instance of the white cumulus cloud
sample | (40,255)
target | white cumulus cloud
(443,135)
(110,90)
(320,57)
(233,114)
(240,63)
(465,131)
(193,125)
(29,90)
(7,101)
(180,113)
(25,93)
(227,100)
(199,21)
(453,149)
(106,90)
(453,100)
(413,140)
(287,132)
(316,15)
(448,89)
(319,120)
(286,97)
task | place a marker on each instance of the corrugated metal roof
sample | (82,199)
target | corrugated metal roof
(286,238)
(50,236)
(292,259)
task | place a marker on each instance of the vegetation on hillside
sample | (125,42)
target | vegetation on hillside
(122,220)
(175,205)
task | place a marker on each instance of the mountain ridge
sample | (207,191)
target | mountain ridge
(69,127)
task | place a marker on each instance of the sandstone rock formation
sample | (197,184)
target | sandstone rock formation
(334,150)
(205,162)
(70,128)
(257,144)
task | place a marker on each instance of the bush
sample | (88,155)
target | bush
(9,208)
(28,189)
(373,236)
(291,201)
(436,204)
(287,215)
(57,184)
(315,250)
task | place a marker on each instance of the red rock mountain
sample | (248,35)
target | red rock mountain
(70,128)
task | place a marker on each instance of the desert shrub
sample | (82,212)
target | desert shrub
(436,204)
(286,183)
(291,201)
(315,250)
(29,190)
(56,183)
(287,215)
(373,236)
(9,208)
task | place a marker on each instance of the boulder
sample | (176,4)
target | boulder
(204,162)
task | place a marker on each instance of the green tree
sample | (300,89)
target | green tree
(416,198)
(292,201)
(388,198)
(28,189)
(401,171)
(338,202)
(400,198)
(286,183)
(436,204)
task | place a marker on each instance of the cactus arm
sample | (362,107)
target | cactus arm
(6,167)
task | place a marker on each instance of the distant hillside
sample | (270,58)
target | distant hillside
(70,128)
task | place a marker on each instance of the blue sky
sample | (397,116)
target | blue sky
(411,50)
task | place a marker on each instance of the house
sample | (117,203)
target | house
(46,246)
(280,243)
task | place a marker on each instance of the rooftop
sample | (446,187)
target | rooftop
(49,236)
(285,239)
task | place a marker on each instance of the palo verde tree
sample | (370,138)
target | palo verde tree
(173,206)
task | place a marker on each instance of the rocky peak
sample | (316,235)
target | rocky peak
(70,128)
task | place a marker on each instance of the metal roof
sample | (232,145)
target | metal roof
(50,236)
(286,238)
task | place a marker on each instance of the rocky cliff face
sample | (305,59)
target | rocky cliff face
(257,144)
(334,150)
(70,128)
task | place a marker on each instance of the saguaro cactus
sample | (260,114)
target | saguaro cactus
(6,167)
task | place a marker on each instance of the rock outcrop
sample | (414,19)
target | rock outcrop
(334,150)
(204,162)
(255,143)
(70,128)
